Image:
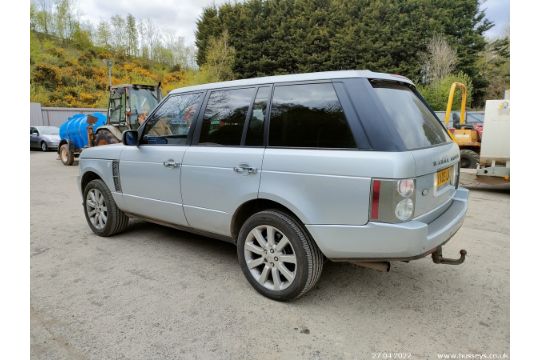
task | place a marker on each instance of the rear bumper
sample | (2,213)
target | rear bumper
(380,241)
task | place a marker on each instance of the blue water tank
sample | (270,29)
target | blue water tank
(74,129)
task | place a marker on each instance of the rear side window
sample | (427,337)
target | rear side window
(225,115)
(415,124)
(309,116)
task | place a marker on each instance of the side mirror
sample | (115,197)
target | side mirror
(130,137)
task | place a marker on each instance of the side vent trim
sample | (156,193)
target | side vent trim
(116,175)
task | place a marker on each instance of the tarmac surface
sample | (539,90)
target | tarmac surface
(159,293)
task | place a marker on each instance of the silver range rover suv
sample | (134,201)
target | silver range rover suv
(345,166)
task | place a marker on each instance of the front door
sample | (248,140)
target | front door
(221,170)
(150,172)
(34,137)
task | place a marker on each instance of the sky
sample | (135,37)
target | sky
(174,16)
(180,16)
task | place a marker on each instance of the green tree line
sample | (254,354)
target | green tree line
(280,37)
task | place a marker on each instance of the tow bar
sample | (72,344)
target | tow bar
(438,258)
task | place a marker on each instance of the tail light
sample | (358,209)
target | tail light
(392,201)
(375,193)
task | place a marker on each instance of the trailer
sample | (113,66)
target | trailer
(77,133)
(493,171)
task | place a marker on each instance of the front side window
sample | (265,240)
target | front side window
(170,124)
(225,115)
(416,125)
(308,116)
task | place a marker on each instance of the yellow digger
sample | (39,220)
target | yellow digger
(466,136)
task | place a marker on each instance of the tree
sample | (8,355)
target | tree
(440,59)
(64,19)
(132,36)
(220,57)
(208,25)
(81,36)
(119,40)
(494,65)
(103,34)
(150,38)
(275,36)
(41,16)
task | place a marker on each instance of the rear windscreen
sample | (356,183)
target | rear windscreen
(415,124)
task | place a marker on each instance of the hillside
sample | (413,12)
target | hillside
(74,74)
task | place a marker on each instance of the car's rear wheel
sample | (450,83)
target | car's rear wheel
(277,255)
(66,156)
(44,146)
(102,214)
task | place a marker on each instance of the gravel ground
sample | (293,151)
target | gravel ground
(159,293)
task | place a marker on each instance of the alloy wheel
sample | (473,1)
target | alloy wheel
(270,257)
(96,208)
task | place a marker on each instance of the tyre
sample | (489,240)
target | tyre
(277,255)
(44,146)
(102,214)
(469,159)
(105,137)
(66,156)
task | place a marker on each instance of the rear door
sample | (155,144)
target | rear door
(221,170)
(312,161)
(150,172)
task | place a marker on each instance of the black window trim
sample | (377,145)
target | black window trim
(308,82)
(141,128)
(250,113)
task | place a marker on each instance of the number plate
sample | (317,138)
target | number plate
(443,177)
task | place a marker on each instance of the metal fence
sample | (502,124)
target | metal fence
(55,116)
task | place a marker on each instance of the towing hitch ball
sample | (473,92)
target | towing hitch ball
(438,258)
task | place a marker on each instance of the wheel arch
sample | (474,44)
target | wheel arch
(248,208)
(87,177)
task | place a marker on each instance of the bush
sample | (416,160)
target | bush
(47,76)
(436,93)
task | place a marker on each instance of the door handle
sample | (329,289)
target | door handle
(244,169)
(171,164)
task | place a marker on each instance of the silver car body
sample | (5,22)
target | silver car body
(200,188)
(40,134)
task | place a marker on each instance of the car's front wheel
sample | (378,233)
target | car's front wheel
(277,255)
(44,146)
(102,214)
